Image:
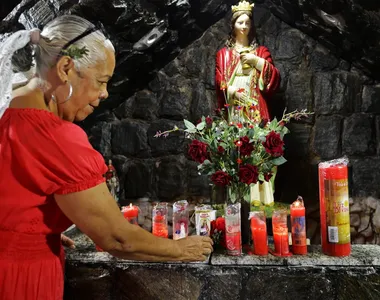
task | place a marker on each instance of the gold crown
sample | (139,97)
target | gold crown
(242,6)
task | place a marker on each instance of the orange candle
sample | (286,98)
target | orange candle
(334,208)
(297,217)
(131,213)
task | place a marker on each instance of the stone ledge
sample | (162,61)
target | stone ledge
(361,256)
(99,276)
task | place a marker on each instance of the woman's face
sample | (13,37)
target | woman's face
(242,25)
(89,87)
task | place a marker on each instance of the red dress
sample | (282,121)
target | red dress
(40,155)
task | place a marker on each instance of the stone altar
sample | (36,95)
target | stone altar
(97,275)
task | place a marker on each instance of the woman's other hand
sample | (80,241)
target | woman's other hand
(195,248)
(67,242)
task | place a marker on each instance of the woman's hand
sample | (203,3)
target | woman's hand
(195,248)
(249,58)
(67,242)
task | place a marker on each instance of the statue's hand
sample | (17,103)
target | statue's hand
(249,58)
(240,96)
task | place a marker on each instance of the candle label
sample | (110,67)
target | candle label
(298,231)
(337,211)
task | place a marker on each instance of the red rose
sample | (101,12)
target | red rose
(274,144)
(220,224)
(213,226)
(267,176)
(221,178)
(248,174)
(198,151)
(208,120)
(220,150)
(246,147)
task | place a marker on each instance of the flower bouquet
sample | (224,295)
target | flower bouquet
(239,152)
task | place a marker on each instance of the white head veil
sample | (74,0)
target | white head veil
(13,43)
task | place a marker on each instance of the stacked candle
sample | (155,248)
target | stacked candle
(160,220)
(334,208)
(259,233)
(297,217)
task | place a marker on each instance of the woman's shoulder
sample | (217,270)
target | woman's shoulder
(42,124)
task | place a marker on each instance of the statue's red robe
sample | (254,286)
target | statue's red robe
(227,60)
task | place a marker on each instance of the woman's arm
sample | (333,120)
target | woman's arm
(96,214)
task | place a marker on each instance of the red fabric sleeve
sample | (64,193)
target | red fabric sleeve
(52,156)
(220,77)
(270,72)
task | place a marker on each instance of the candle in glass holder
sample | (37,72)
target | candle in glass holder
(297,217)
(233,229)
(180,219)
(131,213)
(280,233)
(160,220)
(259,232)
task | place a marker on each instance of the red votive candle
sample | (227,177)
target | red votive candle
(131,213)
(259,233)
(297,217)
(280,233)
(334,208)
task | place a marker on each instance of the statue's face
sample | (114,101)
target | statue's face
(242,25)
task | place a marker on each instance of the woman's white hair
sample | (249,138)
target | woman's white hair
(57,33)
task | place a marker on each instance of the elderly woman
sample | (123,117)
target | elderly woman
(51,177)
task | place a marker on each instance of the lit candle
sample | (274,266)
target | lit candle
(280,233)
(259,233)
(297,217)
(131,213)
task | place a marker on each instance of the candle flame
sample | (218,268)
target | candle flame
(130,205)
(298,202)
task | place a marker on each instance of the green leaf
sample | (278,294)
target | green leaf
(201,126)
(188,124)
(279,161)
(191,130)
(261,177)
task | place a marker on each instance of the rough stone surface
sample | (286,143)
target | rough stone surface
(357,135)
(315,276)
(327,137)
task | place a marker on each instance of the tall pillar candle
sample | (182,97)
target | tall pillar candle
(334,207)
(298,223)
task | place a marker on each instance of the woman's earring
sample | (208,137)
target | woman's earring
(67,98)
